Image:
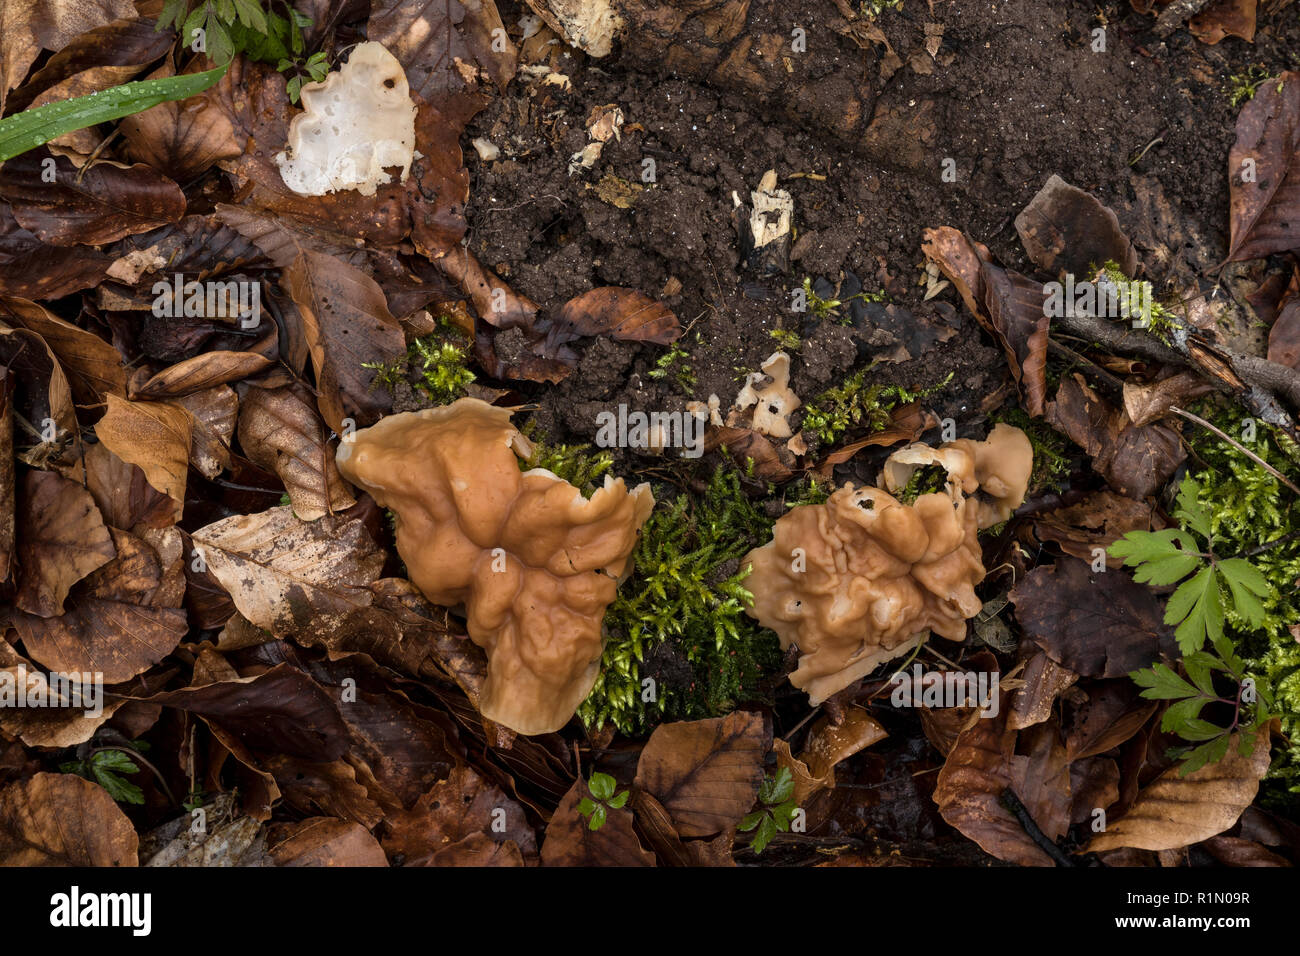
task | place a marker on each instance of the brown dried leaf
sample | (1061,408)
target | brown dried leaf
(1148,402)
(624,314)
(123,493)
(969,791)
(91,206)
(1065,229)
(1234,851)
(1284,337)
(1225,18)
(746,445)
(1015,308)
(325,841)
(182,139)
(59,819)
(1040,778)
(283,572)
(1096,624)
(203,371)
(960,259)
(1044,679)
(347,324)
(1111,715)
(280,431)
(1175,811)
(156,437)
(95,367)
(215,412)
(1097,521)
(28,26)
(1264,172)
(42,396)
(64,723)
(61,539)
(569,843)
(706,773)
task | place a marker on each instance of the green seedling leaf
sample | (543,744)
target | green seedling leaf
(601,786)
(618,802)
(34,127)
(597,818)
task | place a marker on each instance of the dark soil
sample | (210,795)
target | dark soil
(1022,96)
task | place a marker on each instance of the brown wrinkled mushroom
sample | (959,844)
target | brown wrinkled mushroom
(533,562)
(862,578)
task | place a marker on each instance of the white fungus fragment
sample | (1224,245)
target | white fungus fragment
(356,124)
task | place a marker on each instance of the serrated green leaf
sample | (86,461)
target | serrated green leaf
(1137,547)
(1182,713)
(1198,667)
(113,760)
(1207,753)
(766,830)
(750,821)
(1162,683)
(1167,570)
(1199,606)
(1190,512)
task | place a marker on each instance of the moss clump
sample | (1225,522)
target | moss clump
(788,339)
(679,620)
(1252,515)
(576,464)
(853,403)
(435,365)
(674,367)
(1051,463)
(1162,323)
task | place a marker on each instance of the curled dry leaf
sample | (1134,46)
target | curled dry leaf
(969,793)
(570,843)
(448,823)
(42,396)
(27,28)
(282,572)
(91,206)
(123,493)
(1264,172)
(155,436)
(281,710)
(745,445)
(94,366)
(1112,714)
(1096,522)
(214,411)
(1135,460)
(706,773)
(1044,680)
(1148,402)
(1096,624)
(1067,230)
(325,841)
(1015,308)
(59,819)
(1223,19)
(1174,811)
(61,539)
(280,431)
(63,724)
(1040,778)
(183,139)
(961,259)
(828,745)
(623,314)
(204,371)
(347,325)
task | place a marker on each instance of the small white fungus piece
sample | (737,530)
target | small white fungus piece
(356,124)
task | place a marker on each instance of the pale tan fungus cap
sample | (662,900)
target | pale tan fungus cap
(534,563)
(862,578)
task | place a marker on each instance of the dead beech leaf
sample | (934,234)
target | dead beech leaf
(215,411)
(1234,851)
(91,206)
(8,490)
(1145,403)
(203,371)
(960,259)
(61,539)
(1225,18)
(907,424)
(30,26)
(1135,460)
(63,724)
(59,819)
(281,710)
(182,139)
(155,436)
(1264,172)
(624,314)
(443,48)
(969,793)
(1040,778)
(745,445)
(95,368)
(280,431)
(1044,679)
(1173,811)
(706,773)
(283,572)
(828,745)
(42,397)
(458,809)
(1096,624)
(1065,229)
(1014,305)
(325,841)
(1097,521)
(123,493)
(1284,336)
(570,843)
(1111,715)
(347,325)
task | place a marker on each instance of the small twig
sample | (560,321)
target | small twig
(1012,803)
(1237,445)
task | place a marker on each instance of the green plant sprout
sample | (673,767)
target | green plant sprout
(602,787)
(1162,322)
(105,767)
(674,363)
(776,796)
(438,363)
(1242,87)
(788,339)
(574,463)
(874,8)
